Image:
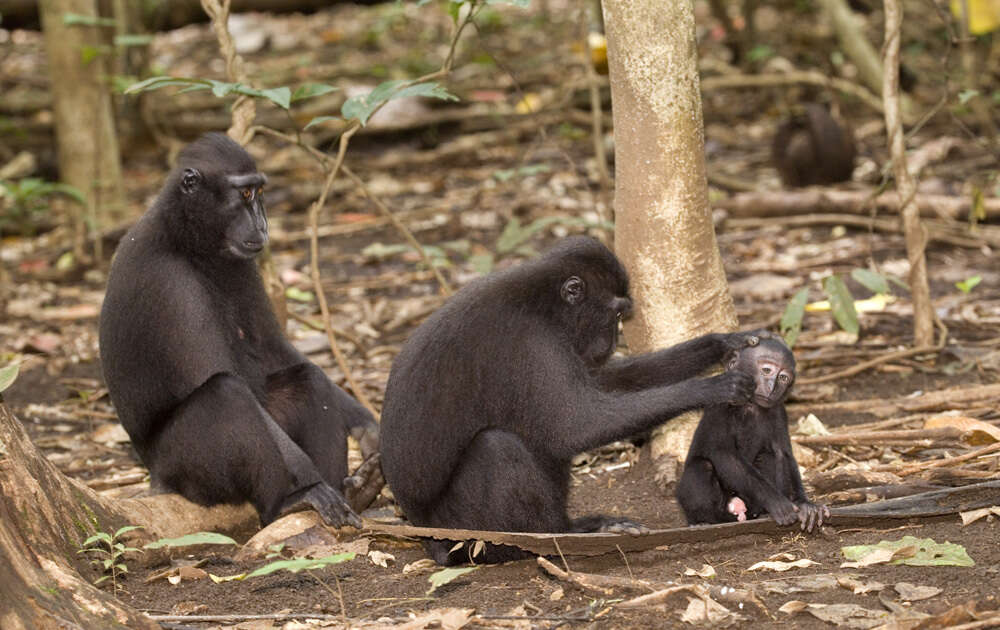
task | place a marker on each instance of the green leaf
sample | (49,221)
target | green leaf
(199,538)
(98,537)
(841,304)
(76,19)
(482,263)
(300,564)
(297,294)
(320,120)
(126,529)
(155,83)
(444,576)
(280,96)
(101,579)
(309,90)
(362,107)
(124,41)
(8,374)
(89,53)
(791,320)
(454,8)
(965,286)
(928,553)
(874,282)
(967,95)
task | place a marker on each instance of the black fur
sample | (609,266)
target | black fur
(744,451)
(812,148)
(219,405)
(493,395)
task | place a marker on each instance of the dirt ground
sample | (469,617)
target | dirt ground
(457,182)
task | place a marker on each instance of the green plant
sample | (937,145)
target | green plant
(24,200)
(109,550)
(965,286)
(840,302)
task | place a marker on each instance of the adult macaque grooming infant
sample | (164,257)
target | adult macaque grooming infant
(219,406)
(740,464)
(494,394)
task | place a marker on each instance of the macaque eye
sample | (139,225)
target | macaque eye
(260,191)
(766,369)
(783,378)
(247,193)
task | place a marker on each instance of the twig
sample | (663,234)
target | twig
(948,461)
(245,108)
(223,618)
(407,234)
(314,210)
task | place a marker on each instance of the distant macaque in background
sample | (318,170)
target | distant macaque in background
(812,148)
(740,464)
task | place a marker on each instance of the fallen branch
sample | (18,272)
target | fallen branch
(946,399)
(809,77)
(594,583)
(791,202)
(927,504)
(926,438)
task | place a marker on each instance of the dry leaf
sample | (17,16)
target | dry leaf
(857,586)
(381,558)
(707,611)
(878,556)
(914,593)
(783,566)
(424,564)
(706,571)
(974,515)
(445,618)
(977,432)
(557,595)
(793,606)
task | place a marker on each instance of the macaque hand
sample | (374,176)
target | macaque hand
(811,515)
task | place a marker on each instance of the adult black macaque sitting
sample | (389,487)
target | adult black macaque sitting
(740,463)
(494,394)
(219,406)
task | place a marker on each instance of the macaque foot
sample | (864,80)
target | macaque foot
(362,488)
(737,508)
(623,526)
(329,503)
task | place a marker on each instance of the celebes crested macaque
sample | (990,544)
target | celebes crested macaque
(740,464)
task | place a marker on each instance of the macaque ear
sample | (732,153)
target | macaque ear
(732,359)
(190,180)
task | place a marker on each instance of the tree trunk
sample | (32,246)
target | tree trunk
(663,231)
(85,132)
(44,516)
(906,187)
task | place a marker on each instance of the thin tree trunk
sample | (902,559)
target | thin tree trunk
(44,516)
(906,186)
(85,132)
(663,231)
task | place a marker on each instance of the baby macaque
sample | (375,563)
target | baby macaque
(740,464)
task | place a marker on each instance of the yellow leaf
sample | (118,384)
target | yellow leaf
(984,15)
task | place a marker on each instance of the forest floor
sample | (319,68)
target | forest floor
(473,177)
